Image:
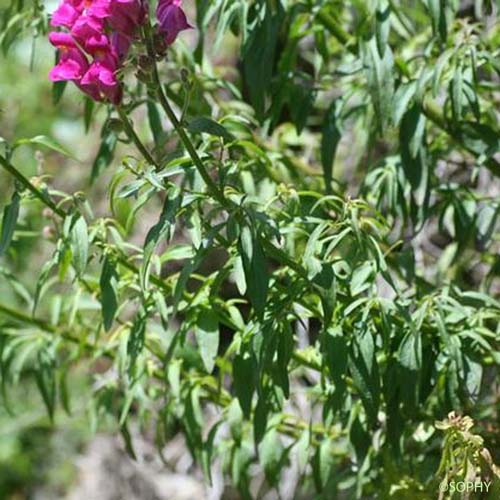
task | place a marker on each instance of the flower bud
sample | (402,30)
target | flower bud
(47,213)
(185,77)
(145,64)
(115,125)
(48,232)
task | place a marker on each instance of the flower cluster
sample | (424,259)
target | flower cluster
(91,51)
(97,36)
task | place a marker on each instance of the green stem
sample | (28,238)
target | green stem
(212,186)
(29,186)
(24,318)
(47,328)
(336,30)
(129,130)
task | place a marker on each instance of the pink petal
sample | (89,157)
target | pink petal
(64,15)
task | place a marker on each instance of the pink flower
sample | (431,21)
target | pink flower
(126,15)
(100,82)
(88,31)
(65,15)
(72,65)
(120,45)
(172,19)
(122,15)
(62,41)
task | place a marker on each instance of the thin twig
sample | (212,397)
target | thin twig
(129,130)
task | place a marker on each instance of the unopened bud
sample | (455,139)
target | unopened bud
(115,125)
(36,181)
(185,76)
(145,64)
(80,197)
(144,77)
(47,213)
(48,232)
(160,45)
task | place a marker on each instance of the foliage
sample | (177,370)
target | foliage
(319,281)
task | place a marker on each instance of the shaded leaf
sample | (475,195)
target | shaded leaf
(9,220)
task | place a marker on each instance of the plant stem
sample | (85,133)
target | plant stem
(129,130)
(47,328)
(336,30)
(212,186)
(28,185)
(24,318)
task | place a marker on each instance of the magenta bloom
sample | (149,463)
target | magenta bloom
(98,37)
(72,66)
(126,15)
(101,29)
(88,31)
(172,19)
(100,82)
(65,15)
(120,45)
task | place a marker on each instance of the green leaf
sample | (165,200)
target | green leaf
(64,394)
(109,292)
(330,138)
(457,95)
(364,370)
(106,152)
(271,454)
(127,438)
(43,140)
(473,376)
(402,98)
(206,125)
(284,347)
(193,420)
(207,337)
(301,101)
(413,157)
(255,267)
(322,464)
(486,223)
(58,89)
(88,109)
(137,338)
(380,76)
(438,17)
(207,452)
(410,351)
(259,55)
(45,377)
(155,122)
(361,278)
(479,138)
(10,216)
(337,351)
(383,26)
(162,230)
(244,367)
(80,245)
(261,414)
(303,449)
